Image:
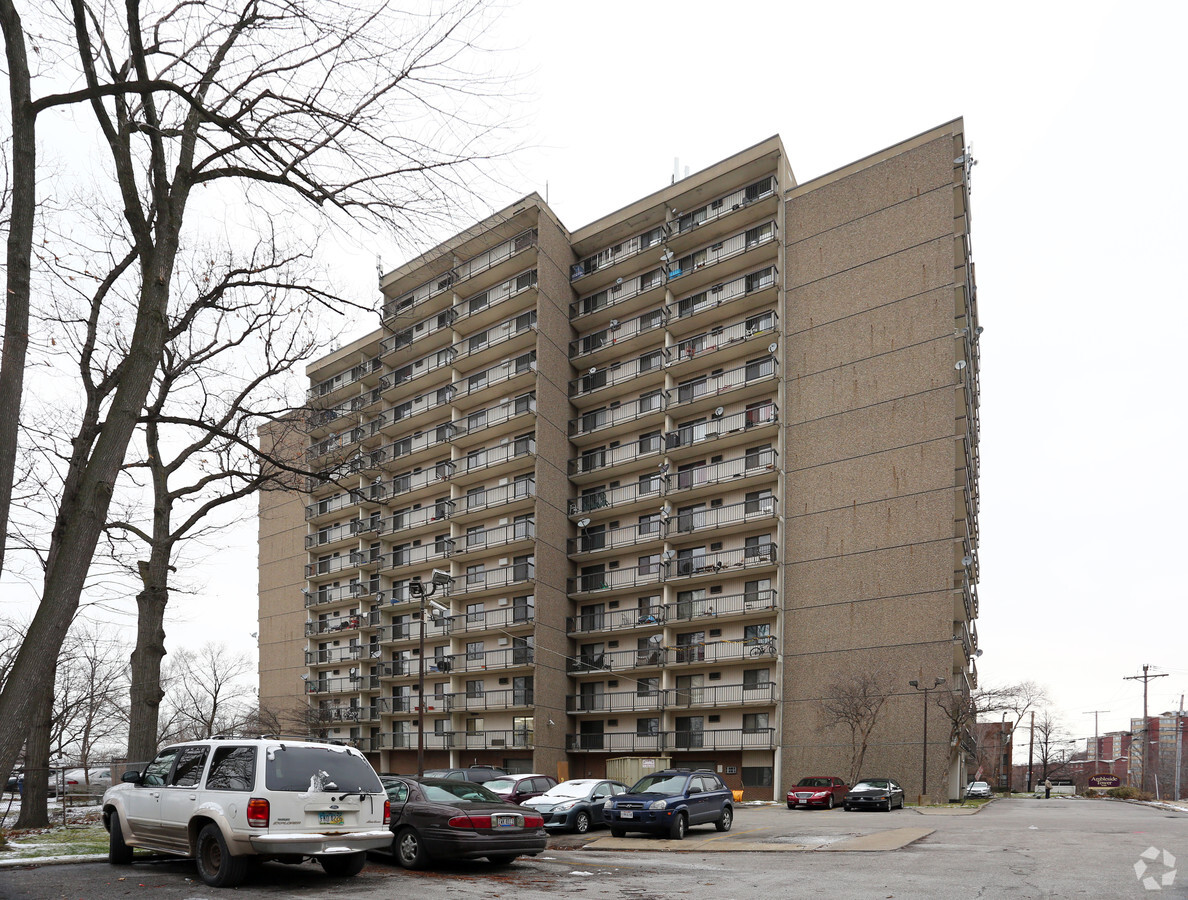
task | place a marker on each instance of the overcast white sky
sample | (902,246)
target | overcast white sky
(1075,114)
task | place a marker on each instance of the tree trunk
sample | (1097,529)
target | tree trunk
(146,694)
(35,798)
(19,253)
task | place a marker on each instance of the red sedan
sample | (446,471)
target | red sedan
(820,790)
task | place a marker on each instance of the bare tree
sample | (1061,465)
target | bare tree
(1051,743)
(88,694)
(333,107)
(208,692)
(856,703)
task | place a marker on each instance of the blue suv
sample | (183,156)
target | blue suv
(669,802)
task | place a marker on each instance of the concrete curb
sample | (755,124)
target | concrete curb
(34,861)
(892,839)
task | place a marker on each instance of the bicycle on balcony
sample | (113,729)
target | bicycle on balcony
(762,647)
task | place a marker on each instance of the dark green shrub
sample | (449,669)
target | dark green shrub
(1129,793)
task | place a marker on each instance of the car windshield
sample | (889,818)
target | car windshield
(875,784)
(569,789)
(459,792)
(500,784)
(317,769)
(814,782)
(659,784)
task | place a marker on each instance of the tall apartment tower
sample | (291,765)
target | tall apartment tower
(690,469)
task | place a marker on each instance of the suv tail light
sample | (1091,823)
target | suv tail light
(387,812)
(257,812)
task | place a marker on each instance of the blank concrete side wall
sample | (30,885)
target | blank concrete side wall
(553,412)
(869,438)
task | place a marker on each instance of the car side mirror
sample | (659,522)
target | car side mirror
(131,777)
(597,797)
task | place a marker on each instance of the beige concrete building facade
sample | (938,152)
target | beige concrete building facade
(692,469)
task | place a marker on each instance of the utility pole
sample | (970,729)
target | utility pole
(1096,739)
(1179,743)
(1145,678)
(1031,752)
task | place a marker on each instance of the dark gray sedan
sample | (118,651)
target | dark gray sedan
(874,793)
(438,818)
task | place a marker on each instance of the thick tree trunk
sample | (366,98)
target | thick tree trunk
(19,252)
(34,800)
(146,694)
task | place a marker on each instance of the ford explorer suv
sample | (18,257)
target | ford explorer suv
(227,801)
(669,802)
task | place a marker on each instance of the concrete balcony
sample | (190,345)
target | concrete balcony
(488,425)
(672,741)
(506,618)
(431,370)
(333,535)
(435,294)
(403,417)
(499,460)
(761,694)
(337,388)
(427,483)
(496,579)
(723,215)
(333,655)
(731,607)
(619,338)
(758,288)
(630,417)
(700,566)
(643,372)
(485,307)
(623,578)
(417,447)
(487,701)
(721,519)
(490,660)
(610,263)
(642,493)
(721,259)
(493,266)
(595,539)
(510,498)
(722,344)
(593,464)
(327,595)
(509,739)
(724,431)
(496,380)
(755,380)
(433,333)
(488,539)
(409,521)
(620,300)
(508,338)
(401,557)
(711,480)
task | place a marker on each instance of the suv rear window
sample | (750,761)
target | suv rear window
(319,769)
(232,769)
(660,784)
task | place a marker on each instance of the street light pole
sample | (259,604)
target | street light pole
(924,771)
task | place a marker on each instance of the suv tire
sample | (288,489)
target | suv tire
(118,853)
(343,865)
(725,820)
(680,825)
(410,850)
(216,866)
(618,832)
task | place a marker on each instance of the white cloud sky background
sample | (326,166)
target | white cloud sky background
(1074,111)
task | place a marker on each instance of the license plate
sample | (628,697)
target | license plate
(627,814)
(505,821)
(329,818)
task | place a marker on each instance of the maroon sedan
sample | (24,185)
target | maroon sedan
(825,791)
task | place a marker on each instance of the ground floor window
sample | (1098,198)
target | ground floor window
(756,776)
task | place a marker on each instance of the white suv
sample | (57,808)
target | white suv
(226,802)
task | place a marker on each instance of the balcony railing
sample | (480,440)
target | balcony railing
(497,496)
(689,392)
(491,619)
(681,611)
(337,624)
(400,557)
(595,539)
(505,371)
(504,576)
(762,693)
(344,379)
(698,432)
(519,739)
(475,701)
(433,436)
(400,520)
(716,296)
(333,655)
(725,205)
(719,252)
(334,564)
(496,295)
(406,482)
(489,538)
(486,660)
(720,338)
(723,560)
(602,458)
(631,411)
(489,457)
(406,304)
(496,415)
(476,265)
(717,473)
(331,535)
(323,595)
(619,252)
(618,373)
(438,359)
(431,400)
(673,741)
(617,293)
(601,498)
(617,333)
(407,337)
(495,335)
(688,521)
(617,579)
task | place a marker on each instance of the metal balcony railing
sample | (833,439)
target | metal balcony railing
(596,538)
(617,333)
(761,693)
(724,205)
(344,379)
(521,739)
(723,250)
(680,611)
(334,564)
(400,557)
(476,265)
(647,363)
(725,383)
(506,493)
(672,741)
(494,296)
(433,436)
(601,498)
(720,338)
(617,293)
(482,539)
(323,595)
(710,429)
(596,420)
(495,335)
(438,359)
(490,619)
(718,294)
(718,473)
(407,337)
(406,482)
(496,415)
(436,399)
(489,457)
(406,304)
(333,534)
(486,660)
(690,520)
(602,458)
(505,371)
(617,579)
(477,701)
(688,566)
(619,252)
(409,517)
(504,576)
(332,655)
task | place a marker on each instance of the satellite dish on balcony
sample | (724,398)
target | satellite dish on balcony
(593,370)
(667,555)
(614,323)
(772,347)
(967,561)
(718,412)
(582,523)
(656,639)
(959,365)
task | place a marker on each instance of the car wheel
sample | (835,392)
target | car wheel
(410,852)
(846,807)
(618,832)
(888,804)
(343,865)
(829,802)
(727,819)
(118,853)
(216,866)
(678,828)
(791,806)
(502,859)
(581,822)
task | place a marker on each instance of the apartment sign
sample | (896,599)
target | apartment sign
(1104,781)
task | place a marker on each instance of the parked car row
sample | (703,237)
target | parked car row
(91,780)
(828,791)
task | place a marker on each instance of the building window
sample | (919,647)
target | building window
(753,723)
(647,727)
(756,776)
